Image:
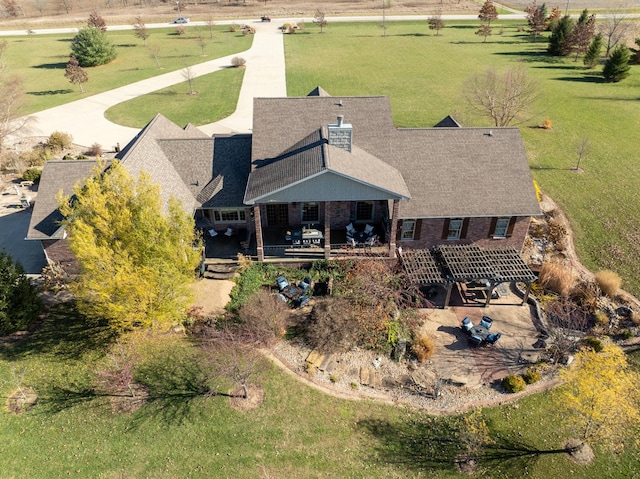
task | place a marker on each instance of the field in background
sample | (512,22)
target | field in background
(424,77)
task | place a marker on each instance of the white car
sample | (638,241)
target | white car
(181,20)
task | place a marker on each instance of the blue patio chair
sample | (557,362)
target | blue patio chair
(282,283)
(486,322)
(368,229)
(467,325)
(302,301)
(493,338)
(475,340)
(304,285)
(282,298)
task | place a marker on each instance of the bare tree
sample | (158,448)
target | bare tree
(75,73)
(3,48)
(154,52)
(615,27)
(11,101)
(537,19)
(210,24)
(202,42)
(502,96)
(141,30)
(189,75)
(96,20)
(582,150)
(436,23)
(320,19)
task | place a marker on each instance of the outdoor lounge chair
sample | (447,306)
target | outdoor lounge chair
(486,322)
(229,232)
(282,283)
(213,233)
(301,301)
(368,229)
(350,229)
(467,325)
(493,338)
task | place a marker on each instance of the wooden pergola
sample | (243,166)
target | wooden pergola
(447,265)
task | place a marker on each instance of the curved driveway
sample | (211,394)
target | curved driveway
(85,121)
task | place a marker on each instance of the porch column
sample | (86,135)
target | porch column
(393,228)
(526,294)
(327,229)
(258,224)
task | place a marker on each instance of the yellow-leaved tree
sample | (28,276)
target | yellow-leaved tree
(600,396)
(137,258)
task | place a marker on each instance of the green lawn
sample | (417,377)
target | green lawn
(216,98)
(41,61)
(424,77)
(298,432)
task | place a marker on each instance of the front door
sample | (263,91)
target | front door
(278,215)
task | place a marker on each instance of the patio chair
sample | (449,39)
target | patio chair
(304,285)
(467,325)
(493,338)
(229,232)
(213,233)
(351,242)
(282,283)
(282,298)
(301,301)
(350,229)
(475,340)
(371,240)
(368,229)
(486,322)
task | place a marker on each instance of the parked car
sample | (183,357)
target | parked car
(181,20)
(265,18)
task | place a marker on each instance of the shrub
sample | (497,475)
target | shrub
(557,278)
(180,30)
(531,376)
(423,348)
(332,327)
(586,293)
(94,150)
(237,62)
(601,318)
(557,234)
(609,282)
(234,27)
(626,334)
(594,343)
(81,157)
(513,383)
(32,174)
(68,157)
(262,319)
(547,125)
(59,141)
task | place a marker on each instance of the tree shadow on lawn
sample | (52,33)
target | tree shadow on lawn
(50,92)
(64,333)
(435,444)
(51,66)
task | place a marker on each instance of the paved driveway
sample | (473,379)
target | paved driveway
(13,229)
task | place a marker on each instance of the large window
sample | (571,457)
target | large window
(502,226)
(364,211)
(455,229)
(229,216)
(408,229)
(310,213)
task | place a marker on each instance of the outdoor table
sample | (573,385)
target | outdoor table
(360,237)
(480,331)
(292,292)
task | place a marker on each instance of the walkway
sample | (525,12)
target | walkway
(85,121)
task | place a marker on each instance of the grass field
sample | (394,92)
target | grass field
(297,432)
(424,77)
(41,59)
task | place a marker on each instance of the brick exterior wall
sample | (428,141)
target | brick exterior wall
(430,234)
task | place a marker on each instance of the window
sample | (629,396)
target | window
(408,229)
(455,229)
(502,225)
(310,213)
(229,216)
(364,211)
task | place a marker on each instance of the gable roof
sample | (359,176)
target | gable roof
(447,121)
(318,91)
(57,175)
(463,172)
(362,175)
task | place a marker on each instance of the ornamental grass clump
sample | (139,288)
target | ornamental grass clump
(423,347)
(557,278)
(609,282)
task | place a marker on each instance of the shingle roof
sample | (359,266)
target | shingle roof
(462,172)
(313,156)
(279,123)
(57,175)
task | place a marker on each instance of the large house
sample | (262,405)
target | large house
(320,176)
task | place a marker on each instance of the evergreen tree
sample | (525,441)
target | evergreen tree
(617,66)
(560,40)
(19,302)
(592,56)
(92,47)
